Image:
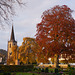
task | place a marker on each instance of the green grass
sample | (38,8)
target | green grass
(1,73)
(20,73)
(51,70)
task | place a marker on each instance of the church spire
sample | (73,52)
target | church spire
(12,35)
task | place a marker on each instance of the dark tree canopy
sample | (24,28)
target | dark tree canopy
(6,10)
(56,31)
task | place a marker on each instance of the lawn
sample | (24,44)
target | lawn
(1,73)
(20,73)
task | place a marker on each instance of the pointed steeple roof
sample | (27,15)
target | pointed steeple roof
(12,35)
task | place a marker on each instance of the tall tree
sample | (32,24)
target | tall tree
(6,10)
(28,50)
(56,31)
(15,52)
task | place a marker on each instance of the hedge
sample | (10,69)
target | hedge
(15,68)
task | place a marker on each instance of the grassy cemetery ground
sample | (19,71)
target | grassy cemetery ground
(51,71)
(30,70)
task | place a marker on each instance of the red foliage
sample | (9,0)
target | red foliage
(56,31)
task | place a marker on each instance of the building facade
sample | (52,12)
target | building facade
(11,43)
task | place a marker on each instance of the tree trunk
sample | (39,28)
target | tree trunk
(56,60)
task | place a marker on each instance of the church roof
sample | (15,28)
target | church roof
(12,35)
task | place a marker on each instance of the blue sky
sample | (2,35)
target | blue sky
(27,18)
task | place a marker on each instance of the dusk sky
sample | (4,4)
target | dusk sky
(28,17)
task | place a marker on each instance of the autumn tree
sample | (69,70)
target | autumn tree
(28,50)
(15,52)
(7,10)
(56,31)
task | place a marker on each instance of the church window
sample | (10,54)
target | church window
(10,53)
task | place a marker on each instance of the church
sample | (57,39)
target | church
(12,42)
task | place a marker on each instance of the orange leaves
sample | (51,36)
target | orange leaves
(56,31)
(14,52)
(28,50)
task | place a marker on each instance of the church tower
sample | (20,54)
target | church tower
(11,43)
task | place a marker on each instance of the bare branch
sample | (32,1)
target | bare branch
(7,10)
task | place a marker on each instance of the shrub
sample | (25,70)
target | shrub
(46,70)
(34,69)
(15,68)
(27,70)
(35,64)
(6,73)
(58,66)
(58,74)
(42,70)
(39,69)
(13,73)
(72,68)
(73,72)
(56,70)
(69,66)
(51,71)
(50,66)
